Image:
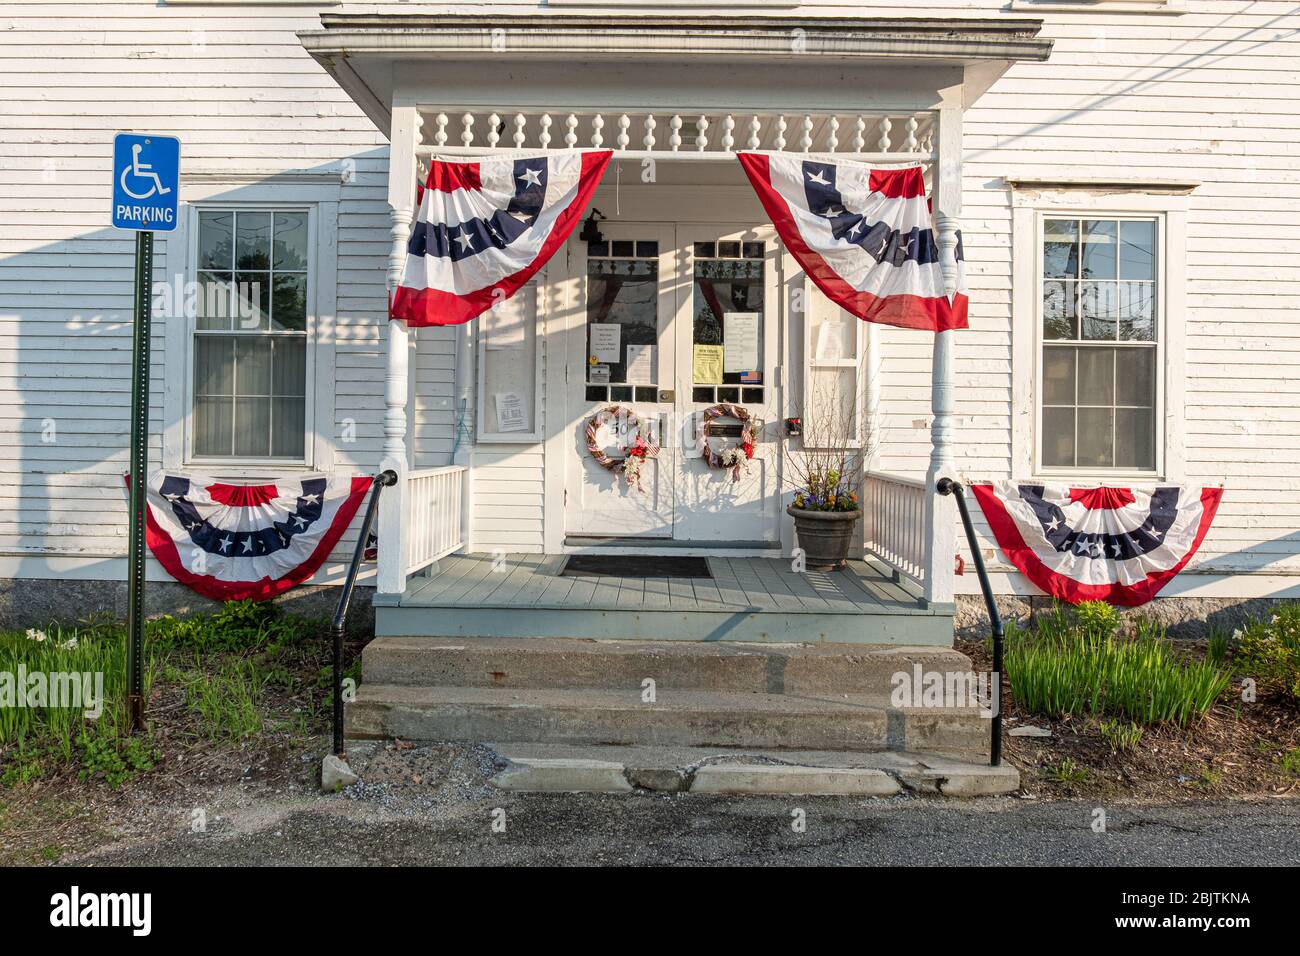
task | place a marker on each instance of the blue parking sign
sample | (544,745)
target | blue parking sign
(146,181)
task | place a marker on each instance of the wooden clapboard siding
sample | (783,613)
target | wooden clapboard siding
(1208,94)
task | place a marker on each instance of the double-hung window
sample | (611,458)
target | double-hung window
(250,334)
(1099,361)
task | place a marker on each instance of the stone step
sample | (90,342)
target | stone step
(570,768)
(678,717)
(561,663)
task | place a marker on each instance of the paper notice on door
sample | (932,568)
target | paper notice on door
(828,342)
(606,337)
(598,374)
(740,341)
(640,365)
(708,365)
(512,415)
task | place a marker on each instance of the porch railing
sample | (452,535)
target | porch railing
(893,517)
(434,529)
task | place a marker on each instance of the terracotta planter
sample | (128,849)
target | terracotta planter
(824,536)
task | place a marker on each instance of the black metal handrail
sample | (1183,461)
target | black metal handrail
(339,624)
(947,486)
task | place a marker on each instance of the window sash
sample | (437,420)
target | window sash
(298,406)
(1077,342)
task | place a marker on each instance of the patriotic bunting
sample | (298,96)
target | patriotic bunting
(485,228)
(1118,545)
(863,235)
(231,542)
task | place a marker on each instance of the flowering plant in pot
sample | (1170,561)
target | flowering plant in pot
(827,472)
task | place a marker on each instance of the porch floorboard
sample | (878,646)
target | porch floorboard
(754,599)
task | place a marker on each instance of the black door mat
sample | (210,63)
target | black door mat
(634,566)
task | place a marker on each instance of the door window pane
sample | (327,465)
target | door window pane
(721,288)
(623,293)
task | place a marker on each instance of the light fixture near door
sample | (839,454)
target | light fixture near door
(591,231)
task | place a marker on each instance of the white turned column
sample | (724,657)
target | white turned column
(940,512)
(871,397)
(391,578)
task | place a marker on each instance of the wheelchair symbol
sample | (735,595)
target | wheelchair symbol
(141,170)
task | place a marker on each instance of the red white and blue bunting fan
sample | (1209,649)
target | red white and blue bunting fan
(232,542)
(863,235)
(485,228)
(1118,545)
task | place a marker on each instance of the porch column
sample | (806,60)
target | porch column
(940,516)
(392,505)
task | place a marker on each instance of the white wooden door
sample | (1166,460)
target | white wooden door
(728,319)
(621,353)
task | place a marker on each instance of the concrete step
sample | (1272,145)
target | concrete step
(611,769)
(677,717)
(559,663)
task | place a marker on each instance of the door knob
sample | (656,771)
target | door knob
(667,395)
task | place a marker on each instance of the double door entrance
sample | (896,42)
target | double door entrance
(672,322)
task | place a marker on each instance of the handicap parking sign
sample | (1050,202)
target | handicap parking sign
(146,181)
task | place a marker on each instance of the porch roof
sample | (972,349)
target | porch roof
(361,50)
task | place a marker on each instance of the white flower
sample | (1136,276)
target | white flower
(34,635)
(69,645)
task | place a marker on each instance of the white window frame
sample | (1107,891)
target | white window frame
(1030,209)
(321,204)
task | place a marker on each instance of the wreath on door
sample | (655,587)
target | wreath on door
(630,466)
(736,458)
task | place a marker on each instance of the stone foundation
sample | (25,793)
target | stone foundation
(1187,618)
(38,602)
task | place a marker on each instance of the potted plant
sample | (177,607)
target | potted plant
(827,471)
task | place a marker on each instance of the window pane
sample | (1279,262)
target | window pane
(253,240)
(289,304)
(252,427)
(289,367)
(624,247)
(1135,438)
(1060,314)
(291,241)
(1135,377)
(1096,438)
(1058,437)
(216,250)
(1099,244)
(213,426)
(722,287)
(1096,378)
(215,301)
(214,365)
(1137,249)
(1058,376)
(252,365)
(1061,249)
(288,427)
(1137,311)
(622,292)
(252,301)
(1098,302)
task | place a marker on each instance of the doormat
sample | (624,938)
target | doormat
(634,566)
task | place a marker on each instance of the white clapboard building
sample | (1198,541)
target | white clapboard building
(1156,140)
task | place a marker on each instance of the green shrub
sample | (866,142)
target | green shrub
(236,626)
(1269,650)
(1290,761)
(1077,663)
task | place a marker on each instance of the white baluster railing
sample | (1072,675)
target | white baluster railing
(893,518)
(432,528)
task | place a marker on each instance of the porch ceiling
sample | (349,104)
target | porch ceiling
(362,51)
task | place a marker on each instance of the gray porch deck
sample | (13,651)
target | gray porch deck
(746,599)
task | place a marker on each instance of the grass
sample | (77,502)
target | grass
(222,663)
(1121,736)
(1290,762)
(1077,663)
(1066,771)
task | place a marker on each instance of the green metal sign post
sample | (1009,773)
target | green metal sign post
(139,468)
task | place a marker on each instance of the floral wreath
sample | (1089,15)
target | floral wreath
(630,466)
(736,458)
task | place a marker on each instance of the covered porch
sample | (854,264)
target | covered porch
(677,97)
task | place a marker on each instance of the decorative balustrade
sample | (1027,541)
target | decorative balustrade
(432,528)
(690,135)
(893,518)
